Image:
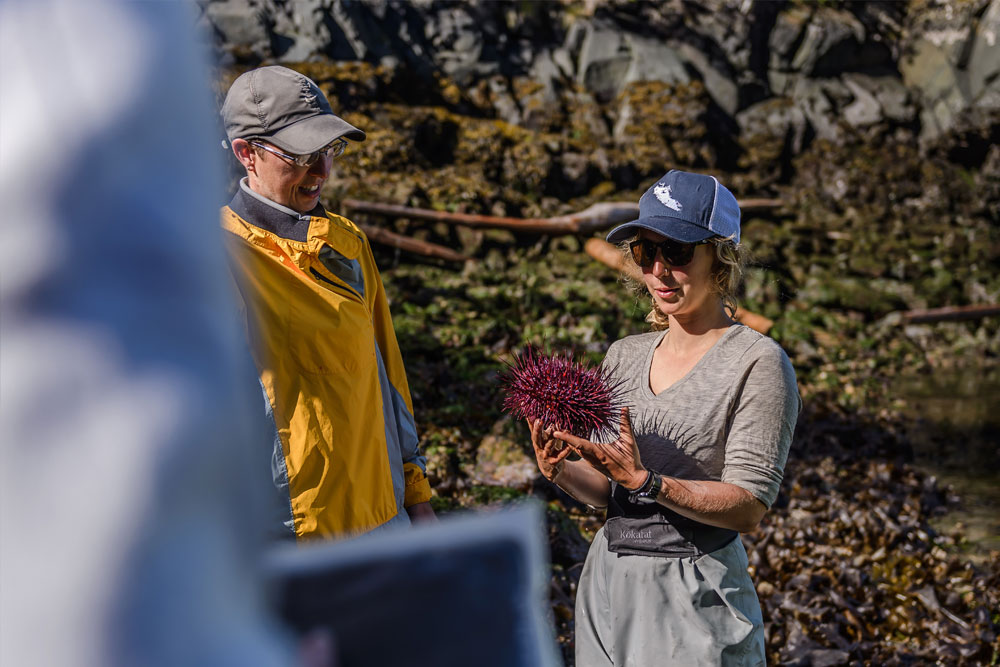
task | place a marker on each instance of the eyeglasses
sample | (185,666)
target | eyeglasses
(674,253)
(331,150)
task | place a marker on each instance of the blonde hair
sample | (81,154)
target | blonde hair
(727,276)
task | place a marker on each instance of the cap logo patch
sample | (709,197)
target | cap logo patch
(662,193)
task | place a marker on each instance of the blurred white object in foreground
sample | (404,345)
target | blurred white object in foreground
(129,458)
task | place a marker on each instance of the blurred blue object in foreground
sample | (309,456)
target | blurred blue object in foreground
(480,582)
(132,457)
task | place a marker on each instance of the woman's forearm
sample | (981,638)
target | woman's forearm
(715,503)
(580,480)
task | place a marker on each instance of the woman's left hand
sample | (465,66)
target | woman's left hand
(618,460)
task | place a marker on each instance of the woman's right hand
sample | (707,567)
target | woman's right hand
(550,453)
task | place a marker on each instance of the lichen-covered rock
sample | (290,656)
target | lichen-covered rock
(772,132)
(984,59)
(240,26)
(501,462)
(661,125)
(610,58)
(526,63)
(938,62)
(877,98)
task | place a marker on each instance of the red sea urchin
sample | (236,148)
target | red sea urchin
(572,396)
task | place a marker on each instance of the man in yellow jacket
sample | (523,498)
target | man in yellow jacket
(346,451)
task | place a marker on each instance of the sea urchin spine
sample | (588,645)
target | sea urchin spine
(570,395)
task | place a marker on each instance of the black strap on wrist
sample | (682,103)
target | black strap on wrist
(642,487)
(648,492)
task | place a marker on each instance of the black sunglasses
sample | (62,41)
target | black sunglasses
(674,253)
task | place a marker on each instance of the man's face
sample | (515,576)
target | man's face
(283,182)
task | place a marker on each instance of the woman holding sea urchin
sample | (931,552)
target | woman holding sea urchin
(698,458)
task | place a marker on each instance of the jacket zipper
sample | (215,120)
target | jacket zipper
(345,288)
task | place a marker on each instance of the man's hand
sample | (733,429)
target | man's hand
(421,513)
(618,460)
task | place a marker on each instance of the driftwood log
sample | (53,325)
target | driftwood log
(611,256)
(593,218)
(949,313)
(409,244)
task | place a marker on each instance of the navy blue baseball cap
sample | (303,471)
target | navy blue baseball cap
(685,207)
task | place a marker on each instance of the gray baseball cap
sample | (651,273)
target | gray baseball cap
(685,207)
(284,107)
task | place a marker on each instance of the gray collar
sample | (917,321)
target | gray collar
(284,209)
(274,217)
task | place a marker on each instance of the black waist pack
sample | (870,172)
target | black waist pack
(654,530)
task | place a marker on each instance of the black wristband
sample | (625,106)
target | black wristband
(642,487)
(648,492)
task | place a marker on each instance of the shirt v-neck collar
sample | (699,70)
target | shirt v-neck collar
(647,388)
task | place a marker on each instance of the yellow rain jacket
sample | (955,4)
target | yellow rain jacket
(315,339)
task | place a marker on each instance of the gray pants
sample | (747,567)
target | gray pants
(638,611)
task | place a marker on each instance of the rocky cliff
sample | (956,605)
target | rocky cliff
(796,69)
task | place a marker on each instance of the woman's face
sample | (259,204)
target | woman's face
(685,290)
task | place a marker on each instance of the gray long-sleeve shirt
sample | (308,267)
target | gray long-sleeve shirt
(729,419)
